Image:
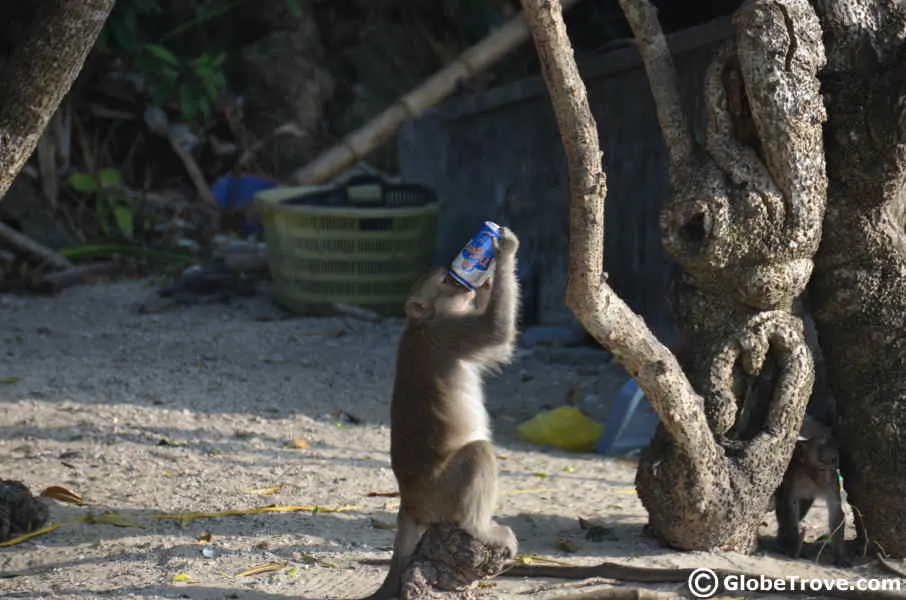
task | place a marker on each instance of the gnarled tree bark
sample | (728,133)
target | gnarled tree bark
(40,73)
(858,290)
(743,222)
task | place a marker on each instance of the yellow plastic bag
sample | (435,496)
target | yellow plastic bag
(566,428)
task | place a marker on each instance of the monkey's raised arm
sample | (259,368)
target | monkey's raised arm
(493,329)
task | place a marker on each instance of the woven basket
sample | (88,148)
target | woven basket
(362,244)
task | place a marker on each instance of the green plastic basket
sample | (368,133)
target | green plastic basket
(362,244)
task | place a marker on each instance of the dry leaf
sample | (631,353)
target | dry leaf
(9,380)
(269,491)
(298,444)
(381,525)
(540,475)
(184,578)
(60,493)
(262,568)
(383,494)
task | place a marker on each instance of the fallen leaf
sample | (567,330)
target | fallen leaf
(10,380)
(62,494)
(269,491)
(540,475)
(381,525)
(292,571)
(383,494)
(184,578)
(486,584)
(569,469)
(262,568)
(298,444)
(503,457)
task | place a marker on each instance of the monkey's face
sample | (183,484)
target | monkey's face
(437,295)
(453,299)
(821,454)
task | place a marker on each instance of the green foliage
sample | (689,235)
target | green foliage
(114,211)
(194,85)
(154,39)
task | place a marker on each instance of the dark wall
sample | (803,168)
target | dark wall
(498,156)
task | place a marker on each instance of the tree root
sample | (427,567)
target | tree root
(448,563)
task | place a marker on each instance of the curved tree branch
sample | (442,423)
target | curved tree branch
(652,45)
(40,73)
(603,314)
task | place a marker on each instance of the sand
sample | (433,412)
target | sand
(195,409)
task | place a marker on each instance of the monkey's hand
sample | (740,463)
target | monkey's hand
(508,243)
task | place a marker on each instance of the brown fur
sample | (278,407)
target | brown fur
(812,474)
(440,448)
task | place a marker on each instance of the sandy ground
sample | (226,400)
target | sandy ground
(227,387)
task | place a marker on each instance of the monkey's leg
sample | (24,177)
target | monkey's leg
(469,486)
(786,509)
(408,533)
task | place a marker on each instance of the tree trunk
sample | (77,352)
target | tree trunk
(858,290)
(743,222)
(40,73)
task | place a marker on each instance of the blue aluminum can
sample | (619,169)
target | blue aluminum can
(474,264)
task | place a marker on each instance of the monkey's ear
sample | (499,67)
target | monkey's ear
(418,309)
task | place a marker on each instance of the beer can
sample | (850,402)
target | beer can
(474,264)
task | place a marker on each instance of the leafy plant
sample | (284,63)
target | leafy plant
(195,85)
(113,208)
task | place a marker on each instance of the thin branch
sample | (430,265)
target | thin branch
(40,73)
(32,248)
(652,46)
(596,306)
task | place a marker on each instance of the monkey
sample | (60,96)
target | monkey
(441,450)
(812,473)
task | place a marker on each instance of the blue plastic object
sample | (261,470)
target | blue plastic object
(631,423)
(233,192)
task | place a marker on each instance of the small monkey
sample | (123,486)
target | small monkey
(812,473)
(440,436)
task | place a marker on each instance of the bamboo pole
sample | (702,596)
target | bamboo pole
(361,142)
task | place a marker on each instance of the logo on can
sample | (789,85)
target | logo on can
(472,266)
